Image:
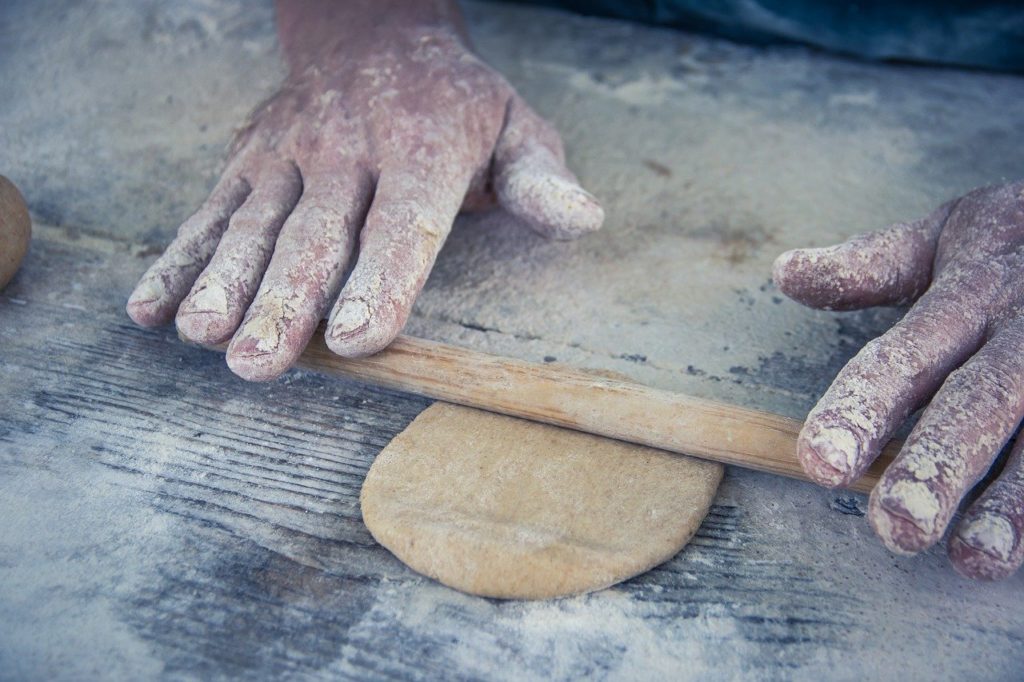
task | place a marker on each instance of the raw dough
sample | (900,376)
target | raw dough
(503,507)
(15,228)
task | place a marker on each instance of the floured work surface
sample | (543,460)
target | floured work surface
(163,517)
(509,508)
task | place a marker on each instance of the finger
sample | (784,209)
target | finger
(532,182)
(304,273)
(411,216)
(889,267)
(213,309)
(952,446)
(890,377)
(986,544)
(158,293)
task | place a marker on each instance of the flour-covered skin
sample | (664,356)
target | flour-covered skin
(958,346)
(386,126)
(986,543)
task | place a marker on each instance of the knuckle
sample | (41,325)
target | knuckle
(417,215)
(316,219)
(993,379)
(249,221)
(198,223)
(257,216)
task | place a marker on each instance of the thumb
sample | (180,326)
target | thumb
(888,267)
(532,182)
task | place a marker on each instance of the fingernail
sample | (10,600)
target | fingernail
(144,306)
(837,451)
(913,501)
(212,298)
(203,316)
(146,291)
(203,327)
(990,533)
(352,315)
(258,336)
(907,515)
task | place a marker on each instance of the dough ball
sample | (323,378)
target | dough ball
(15,230)
(508,508)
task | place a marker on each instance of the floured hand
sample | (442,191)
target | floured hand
(386,126)
(960,346)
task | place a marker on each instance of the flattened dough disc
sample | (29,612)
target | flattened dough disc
(508,508)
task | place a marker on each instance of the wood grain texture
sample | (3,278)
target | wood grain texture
(204,526)
(580,400)
(258,490)
(161,519)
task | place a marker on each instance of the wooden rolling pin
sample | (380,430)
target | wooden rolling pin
(579,400)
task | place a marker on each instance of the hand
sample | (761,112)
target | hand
(960,345)
(386,125)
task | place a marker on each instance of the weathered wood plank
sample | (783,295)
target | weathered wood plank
(160,518)
(252,558)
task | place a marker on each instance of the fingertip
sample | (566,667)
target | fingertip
(201,327)
(894,532)
(256,353)
(830,455)
(143,314)
(976,564)
(204,316)
(360,344)
(146,306)
(550,202)
(358,328)
(803,275)
(782,270)
(906,515)
(985,547)
(578,213)
(247,362)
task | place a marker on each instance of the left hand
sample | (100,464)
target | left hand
(961,345)
(385,127)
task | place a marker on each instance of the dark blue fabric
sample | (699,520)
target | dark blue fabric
(985,34)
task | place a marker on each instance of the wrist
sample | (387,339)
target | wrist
(311,31)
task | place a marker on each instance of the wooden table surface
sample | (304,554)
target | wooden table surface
(161,518)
